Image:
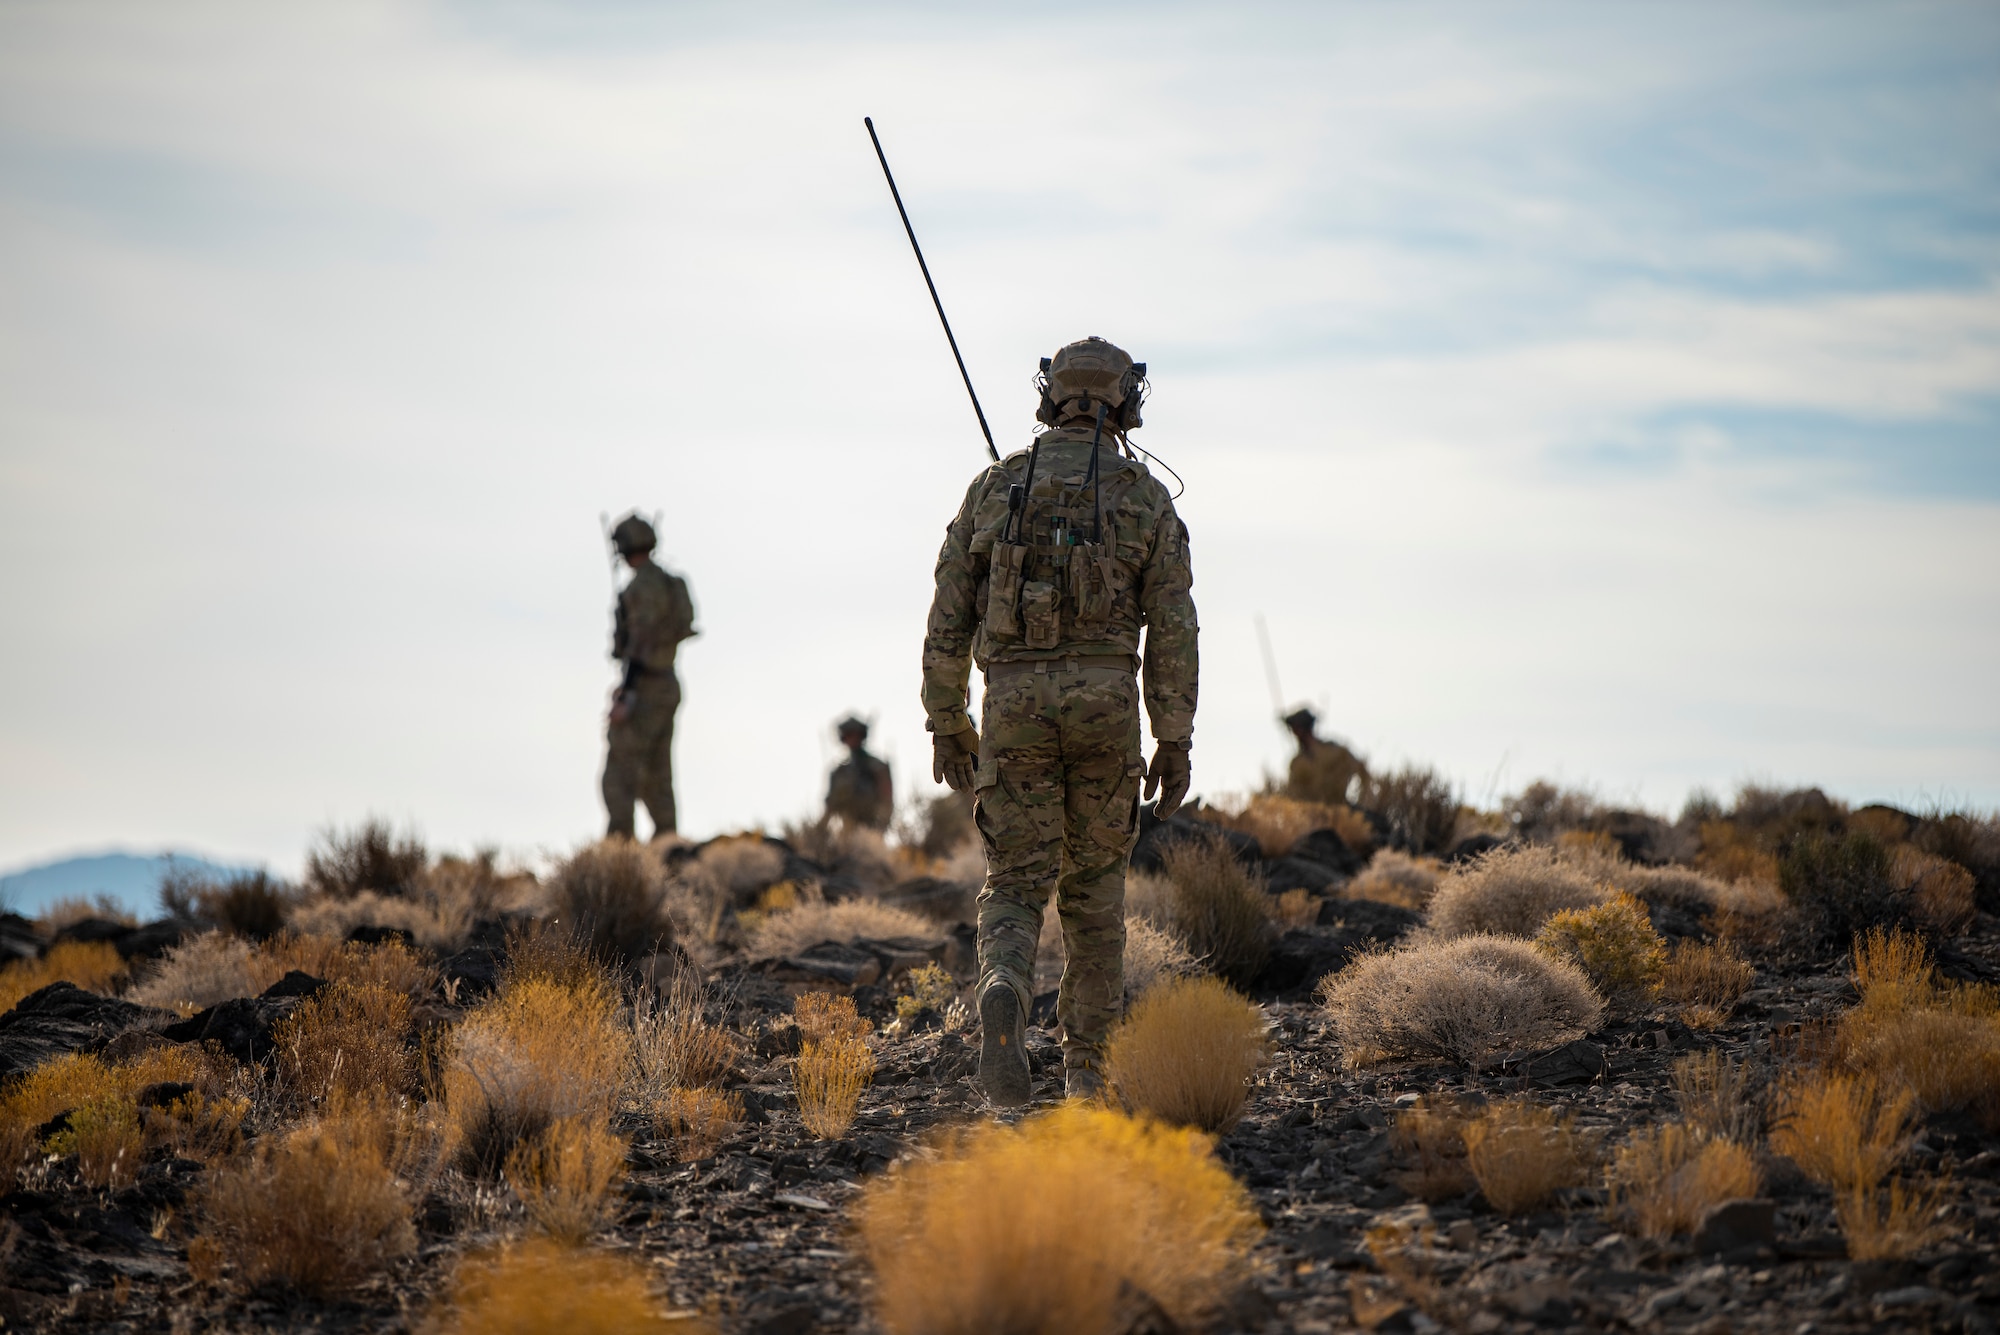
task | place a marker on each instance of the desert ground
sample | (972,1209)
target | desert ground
(1389,1062)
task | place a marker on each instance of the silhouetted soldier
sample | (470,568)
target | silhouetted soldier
(1323,770)
(860,790)
(654,615)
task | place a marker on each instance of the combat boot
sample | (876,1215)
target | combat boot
(1083,1075)
(1003,1053)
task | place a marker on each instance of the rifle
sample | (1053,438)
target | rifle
(897,195)
(1270,669)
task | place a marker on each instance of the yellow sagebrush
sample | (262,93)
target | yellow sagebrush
(1187,1051)
(1055,1225)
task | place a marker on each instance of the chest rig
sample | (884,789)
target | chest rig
(1051,570)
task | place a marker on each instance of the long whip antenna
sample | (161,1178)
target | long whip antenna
(911,232)
(1270,667)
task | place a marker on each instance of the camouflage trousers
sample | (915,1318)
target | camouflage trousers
(638,756)
(1058,809)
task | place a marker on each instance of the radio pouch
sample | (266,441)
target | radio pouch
(1090,587)
(1003,591)
(1040,620)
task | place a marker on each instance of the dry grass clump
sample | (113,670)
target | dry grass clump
(1943,895)
(1849,1133)
(834,1064)
(1616,947)
(1709,976)
(217,966)
(695,1121)
(1718,1097)
(674,1045)
(438,909)
(1152,956)
(372,856)
(1462,999)
(106,1139)
(1278,822)
(106,1092)
(93,966)
(613,895)
(319,1208)
(539,1286)
(1419,805)
(536,1052)
(1431,1137)
(253,904)
(73,909)
(1841,884)
(1939,1041)
(1664,1178)
(350,1038)
(1218,907)
(1186,1053)
(1068,1222)
(563,1176)
(790,931)
(1397,878)
(1522,1155)
(1511,892)
(1735,855)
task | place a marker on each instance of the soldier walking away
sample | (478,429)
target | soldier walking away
(1058,558)
(1322,771)
(654,615)
(860,791)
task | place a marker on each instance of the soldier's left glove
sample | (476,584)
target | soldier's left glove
(1169,777)
(954,757)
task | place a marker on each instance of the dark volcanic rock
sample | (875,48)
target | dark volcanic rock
(1574,1063)
(1301,957)
(1368,918)
(1472,846)
(61,1018)
(1294,873)
(295,983)
(92,929)
(154,939)
(1155,836)
(930,897)
(242,1026)
(471,973)
(1737,1226)
(828,962)
(1327,848)
(18,938)
(374,934)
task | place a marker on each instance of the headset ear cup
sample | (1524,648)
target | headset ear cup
(1045,411)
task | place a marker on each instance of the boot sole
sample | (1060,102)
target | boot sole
(1003,1061)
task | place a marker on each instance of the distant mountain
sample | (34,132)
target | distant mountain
(133,879)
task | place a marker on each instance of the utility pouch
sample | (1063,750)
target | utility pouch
(1040,619)
(1090,587)
(1003,591)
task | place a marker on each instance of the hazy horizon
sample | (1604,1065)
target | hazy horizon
(1610,395)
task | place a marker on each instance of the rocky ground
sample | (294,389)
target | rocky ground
(754,1233)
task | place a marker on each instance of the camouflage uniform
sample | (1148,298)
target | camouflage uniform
(654,615)
(1054,620)
(861,791)
(1322,771)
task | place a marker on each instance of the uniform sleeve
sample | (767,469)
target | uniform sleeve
(1166,601)
(954,619)
(681,620)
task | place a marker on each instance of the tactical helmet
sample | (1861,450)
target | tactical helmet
(1302,718)
(1092,371)
(851,724)
(633,536)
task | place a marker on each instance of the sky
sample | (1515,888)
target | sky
(1602,393)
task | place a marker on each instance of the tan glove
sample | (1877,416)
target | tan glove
(1169,777)
(954,756)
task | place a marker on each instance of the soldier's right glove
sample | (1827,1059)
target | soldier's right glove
(954,756)
(1169,776)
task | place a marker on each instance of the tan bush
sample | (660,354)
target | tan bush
(215,966)
(696,1120)
(67,912)
(745,863)
(822,1015)
(674,1045)
(252,904)
(1943,895)
(93,966)
(1397,878)
(1734,854)
(1219,908)
(106,1139)
(1431,1138)
(439,908)
(372,856)
(1522,1155)
(533,1054)
(319,1208)
(563,1176)
(1706,974)
(828,1076)
(1663,1179)
(540,1287)
(1892,1221)
(613,895)
(1153,955)
(1843,1131)
(1419,804)
(1616,947)
(1510,892)
(1278,822)
(78,1080)
(815,920)
(350,1038)
(1462,999)
(1719,1098)
(1055,1225)
(1940,1042)
(1186,1053)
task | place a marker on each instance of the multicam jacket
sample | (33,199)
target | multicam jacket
(1052,583)
(655,614)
